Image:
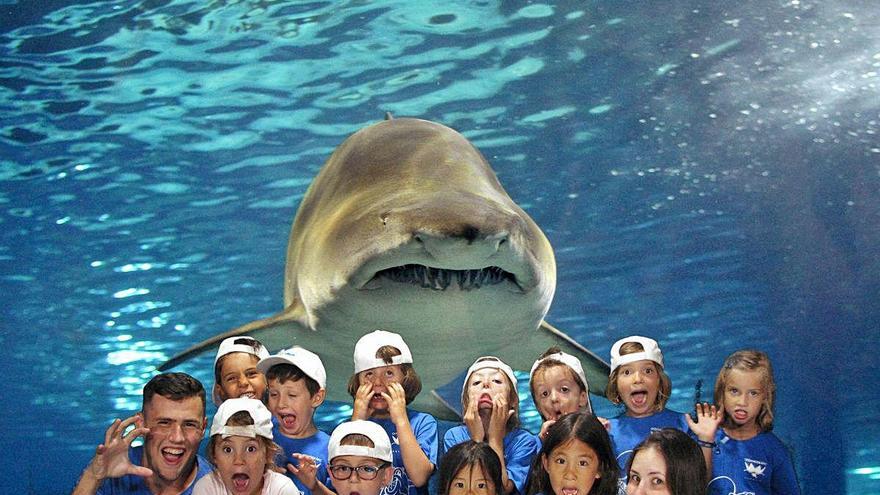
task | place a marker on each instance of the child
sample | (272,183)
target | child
(638,381)
(297,382)
(384,382)
(575,459)
(491,414)
(749,457)
(667,462)
(470,468)
(242,451)
(360,458)
(235,369)
(558,387)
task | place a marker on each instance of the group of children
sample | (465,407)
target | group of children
(391,449)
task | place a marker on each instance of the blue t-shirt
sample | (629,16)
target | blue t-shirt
(520,447)
(315,446)
(132,484)
(627,432)
(424,427)
(760,466)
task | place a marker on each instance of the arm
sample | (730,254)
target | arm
(495,438)
(709,419)
(111,457)
(417,464)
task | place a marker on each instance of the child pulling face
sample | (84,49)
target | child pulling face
(558,386)
(360,458)
(470,468)
(576,458)
(235,370)
(242,450)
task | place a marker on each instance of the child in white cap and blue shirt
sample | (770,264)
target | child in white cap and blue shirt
(297,385)
(383,384)
(490,406)
(637,381)
(360,459)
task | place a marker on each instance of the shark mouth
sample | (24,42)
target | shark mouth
(441,278)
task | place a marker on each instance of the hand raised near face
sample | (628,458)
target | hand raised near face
(111,457)
(472,420)
(361,408)
(396,398)
(709,417)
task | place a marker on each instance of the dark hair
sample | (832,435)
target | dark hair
(174,386)
(755,361)
(664,390)
(411,382)
(586,428)
(243,418)
(285,372)
(470,453)
(685,465)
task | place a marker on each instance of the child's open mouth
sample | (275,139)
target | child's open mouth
(569,491)
(240,482)
(485,399)
(288,421)
(640,398)
(172,455)
(740,415)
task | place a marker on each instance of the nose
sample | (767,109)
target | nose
(238,458)
(176,433)
(637,377)
(554,396)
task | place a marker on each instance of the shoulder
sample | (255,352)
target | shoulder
(209,485)
(520,438)
(278,484)
(418,416)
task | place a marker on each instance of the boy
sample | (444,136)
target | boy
(360,458)
(297,381)
(235,369)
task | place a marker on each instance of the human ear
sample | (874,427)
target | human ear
(318,398)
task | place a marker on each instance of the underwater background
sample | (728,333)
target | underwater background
(707,172)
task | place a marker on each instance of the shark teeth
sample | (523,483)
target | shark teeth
(440,279)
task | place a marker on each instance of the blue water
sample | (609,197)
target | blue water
(708,173)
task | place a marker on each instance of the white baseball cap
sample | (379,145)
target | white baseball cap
(307,361)
(651,351)
(491,362)
(241,343)
(381,448)
(262,419)
(366,348)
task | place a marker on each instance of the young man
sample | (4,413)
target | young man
(172,422)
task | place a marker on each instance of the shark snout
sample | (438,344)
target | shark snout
(476,247)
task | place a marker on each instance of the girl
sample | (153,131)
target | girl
(491,414)
(638,381)
(384,382)
(749,457)
(235,369)
(668,462)
(558,387)
(470,468)
(242,452)
(575,459)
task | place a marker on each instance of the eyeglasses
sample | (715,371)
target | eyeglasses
(365,472)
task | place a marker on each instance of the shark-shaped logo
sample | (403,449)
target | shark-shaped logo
(755,469)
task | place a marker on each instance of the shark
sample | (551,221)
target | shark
(407,228)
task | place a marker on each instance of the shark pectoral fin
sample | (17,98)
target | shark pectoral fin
(272,330)
(435,405)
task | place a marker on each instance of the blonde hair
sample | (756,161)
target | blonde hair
(243,418)
(411,382)
(749,360)
(512,396)
(663,391)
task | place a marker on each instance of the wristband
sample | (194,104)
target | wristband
(705,444)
